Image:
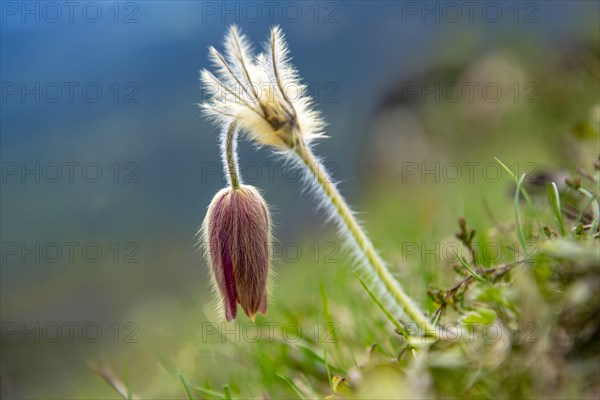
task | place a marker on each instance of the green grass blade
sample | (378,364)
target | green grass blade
(525,194)
(327,367)
(595,206)
(292,385)
(402,331)
(227,392)
(329,322)
(468,268)
(312,354)
(209,392)
(172,369)
(582,213)
(186,386)
(328,319)
(518,226)
(167,364)
(554,198)
(126,379)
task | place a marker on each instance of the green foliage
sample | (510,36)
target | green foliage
(521,323)
(516,301)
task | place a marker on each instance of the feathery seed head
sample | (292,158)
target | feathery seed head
(237,243)
(263,94)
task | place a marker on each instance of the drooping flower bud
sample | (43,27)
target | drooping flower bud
(237,240)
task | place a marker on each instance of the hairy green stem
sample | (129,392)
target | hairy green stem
(230,155)
(360,238)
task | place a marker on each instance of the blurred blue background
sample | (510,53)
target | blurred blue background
(108,91)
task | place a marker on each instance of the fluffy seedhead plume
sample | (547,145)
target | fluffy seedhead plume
(262,93)
(237,242)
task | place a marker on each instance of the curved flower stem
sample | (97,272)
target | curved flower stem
(360,238)
(228,148)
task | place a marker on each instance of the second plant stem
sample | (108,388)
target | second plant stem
(360,238)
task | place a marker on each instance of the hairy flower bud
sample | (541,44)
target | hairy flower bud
(237,240)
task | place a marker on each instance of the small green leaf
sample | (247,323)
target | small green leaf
(340,385)
(584,130)
(483,316)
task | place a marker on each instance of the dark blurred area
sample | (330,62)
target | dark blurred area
(108,166)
